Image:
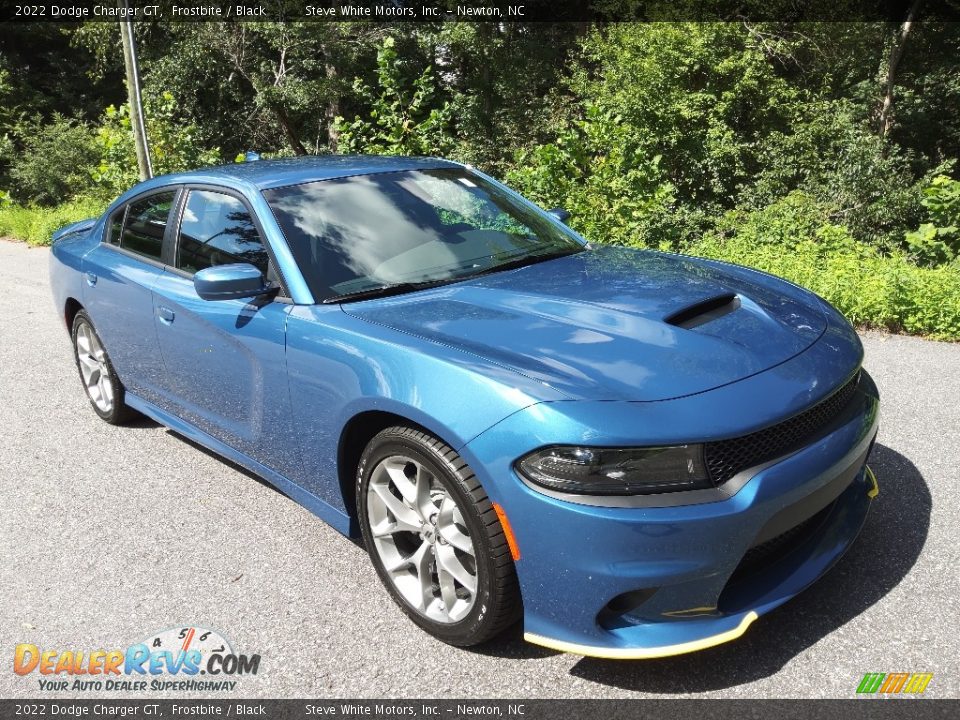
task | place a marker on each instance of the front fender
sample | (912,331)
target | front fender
(340,366)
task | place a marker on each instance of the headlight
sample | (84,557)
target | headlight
(617,471)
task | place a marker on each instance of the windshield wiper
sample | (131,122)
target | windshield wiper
(388,290)
(405,287)
(527,260)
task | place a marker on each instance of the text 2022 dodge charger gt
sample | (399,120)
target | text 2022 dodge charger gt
(634,453)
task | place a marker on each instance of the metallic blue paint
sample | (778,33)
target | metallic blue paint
(229,282)
(572,350)
(121,305)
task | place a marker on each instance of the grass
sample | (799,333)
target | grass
(36,225)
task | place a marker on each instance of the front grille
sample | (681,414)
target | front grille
(726,458)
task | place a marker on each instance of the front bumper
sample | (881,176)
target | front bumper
(692,566)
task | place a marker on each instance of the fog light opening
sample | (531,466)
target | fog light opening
(612,614)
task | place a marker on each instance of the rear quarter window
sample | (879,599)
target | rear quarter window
(115,226)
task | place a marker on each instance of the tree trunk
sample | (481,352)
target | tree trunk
(885,119)
(333,107)
(288,130)
(487,31)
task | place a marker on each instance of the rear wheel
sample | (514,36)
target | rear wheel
(100,381)
(434,538)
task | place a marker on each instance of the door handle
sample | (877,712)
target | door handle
(166,314)
(91,279)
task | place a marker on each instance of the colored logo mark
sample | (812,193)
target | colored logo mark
(894,683)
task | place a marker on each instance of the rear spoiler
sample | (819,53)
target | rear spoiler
(76,227)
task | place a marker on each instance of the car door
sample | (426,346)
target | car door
(225,359)
(119,276)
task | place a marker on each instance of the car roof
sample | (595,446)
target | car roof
(265,174)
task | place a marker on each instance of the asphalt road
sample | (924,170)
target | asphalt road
(110,534)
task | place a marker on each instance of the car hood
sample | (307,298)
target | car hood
(615,323)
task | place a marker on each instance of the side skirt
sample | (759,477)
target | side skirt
(334,517)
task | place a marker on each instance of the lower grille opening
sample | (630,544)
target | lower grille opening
(762,555)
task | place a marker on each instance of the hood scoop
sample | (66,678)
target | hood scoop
(704,311)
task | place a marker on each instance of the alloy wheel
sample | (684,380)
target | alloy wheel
(94,368)
(420,535)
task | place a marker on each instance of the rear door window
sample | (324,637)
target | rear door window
(146,223)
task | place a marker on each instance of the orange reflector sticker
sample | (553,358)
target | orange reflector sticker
(508,532)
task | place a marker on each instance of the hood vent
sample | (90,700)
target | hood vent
(704,311)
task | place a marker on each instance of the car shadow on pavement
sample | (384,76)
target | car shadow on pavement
(510,645)
(228,462)
(888,547)
(141,422)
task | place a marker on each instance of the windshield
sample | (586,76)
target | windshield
(356,234)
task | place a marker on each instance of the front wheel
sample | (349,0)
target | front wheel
(434,538)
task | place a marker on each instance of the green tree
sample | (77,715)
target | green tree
(701,96)
(504,83)
(404,117)
(597,171)
(266,86)
(938,239)
(173,145)
(54,162)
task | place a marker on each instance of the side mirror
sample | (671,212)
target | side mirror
(230,282)
(560,214)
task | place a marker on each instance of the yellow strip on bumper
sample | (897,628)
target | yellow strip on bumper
(643,653)
(874,485)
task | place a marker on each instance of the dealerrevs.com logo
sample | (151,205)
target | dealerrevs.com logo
(185,658)
(889,684)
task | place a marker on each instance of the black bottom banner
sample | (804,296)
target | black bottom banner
(865,709)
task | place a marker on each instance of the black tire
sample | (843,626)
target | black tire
(497,604)
(118,412)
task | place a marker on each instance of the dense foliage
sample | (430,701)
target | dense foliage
(768,144)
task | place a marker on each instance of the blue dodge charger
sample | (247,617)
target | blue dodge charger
(635,453)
